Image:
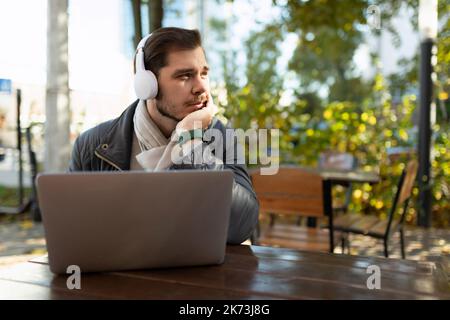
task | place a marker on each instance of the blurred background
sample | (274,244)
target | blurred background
(341,76)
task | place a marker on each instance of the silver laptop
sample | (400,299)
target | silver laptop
(109,221)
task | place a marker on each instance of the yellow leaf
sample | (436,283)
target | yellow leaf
(387,132)
(27,224)
(327,114)
(364,117)
(379,204)
(357,194)
(361,128)
(443,95)
(403,134)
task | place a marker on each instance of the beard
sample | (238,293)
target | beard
(163,107)
(164,110)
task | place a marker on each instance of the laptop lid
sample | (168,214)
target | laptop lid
(109,221)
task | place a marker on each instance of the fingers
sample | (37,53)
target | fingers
(212,107)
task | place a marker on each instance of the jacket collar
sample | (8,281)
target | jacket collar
(115,146)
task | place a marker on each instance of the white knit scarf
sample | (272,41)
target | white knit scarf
(156,148)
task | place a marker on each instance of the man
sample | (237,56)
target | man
(151,132)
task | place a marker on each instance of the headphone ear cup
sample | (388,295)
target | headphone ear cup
(145,84)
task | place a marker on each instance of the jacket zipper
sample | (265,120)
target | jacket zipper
(107,161)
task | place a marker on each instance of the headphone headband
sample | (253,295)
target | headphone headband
(141,43)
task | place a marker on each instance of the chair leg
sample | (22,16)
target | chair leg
(347,242)
(311,222)
(272,219)
(386,253)
(402,243)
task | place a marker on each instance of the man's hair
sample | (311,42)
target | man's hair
(166,40)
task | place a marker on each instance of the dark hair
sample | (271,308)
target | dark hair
(165,40)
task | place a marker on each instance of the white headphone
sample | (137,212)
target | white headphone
(145,83)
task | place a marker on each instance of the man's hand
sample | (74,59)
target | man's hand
(199,119)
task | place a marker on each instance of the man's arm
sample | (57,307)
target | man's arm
(244,206)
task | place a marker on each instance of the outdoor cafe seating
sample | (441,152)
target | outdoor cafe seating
(302,193)
(283,194)
(332,160)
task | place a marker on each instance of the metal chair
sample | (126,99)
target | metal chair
(383,229)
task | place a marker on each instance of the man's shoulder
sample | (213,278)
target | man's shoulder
(85,144)
(93,136)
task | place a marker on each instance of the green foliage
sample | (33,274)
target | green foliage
(329,33)
(263,85)
(256,102)
(9,197)
(441,176)
(357,117)
(367,131)
(443,61)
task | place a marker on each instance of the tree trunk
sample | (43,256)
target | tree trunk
(57,109)
(137,21)
(155,13)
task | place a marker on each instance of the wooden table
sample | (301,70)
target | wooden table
(348,176)
(338,176)
(249,272)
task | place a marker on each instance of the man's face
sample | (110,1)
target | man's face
(183,84)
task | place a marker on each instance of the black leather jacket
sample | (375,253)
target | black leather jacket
(107,147)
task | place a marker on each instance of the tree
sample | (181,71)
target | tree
(137,19)
(57,110)
(155,16)
(329,34)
